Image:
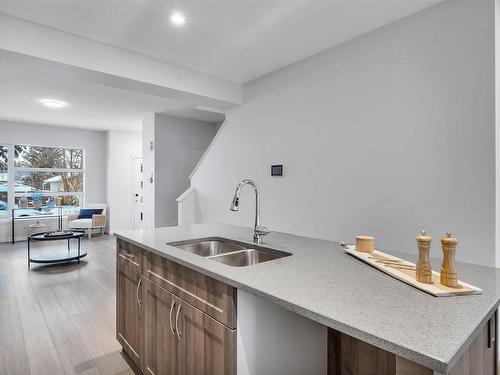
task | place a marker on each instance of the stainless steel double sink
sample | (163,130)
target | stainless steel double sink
(232,253)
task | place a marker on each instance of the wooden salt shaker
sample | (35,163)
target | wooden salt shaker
(449,276)
(424,269)
(365,244)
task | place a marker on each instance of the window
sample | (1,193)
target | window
(4,180)
(40,173)
(48,172)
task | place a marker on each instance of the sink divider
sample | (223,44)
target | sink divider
(223,254)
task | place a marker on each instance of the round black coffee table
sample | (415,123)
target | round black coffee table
(76,234)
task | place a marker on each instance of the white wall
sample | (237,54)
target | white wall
(387,134)
(275,341)
(93,143)
(122,148)
(178,146)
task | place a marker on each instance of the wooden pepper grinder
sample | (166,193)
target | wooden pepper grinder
(449,276)
(424,269)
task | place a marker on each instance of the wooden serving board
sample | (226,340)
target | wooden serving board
(405,272)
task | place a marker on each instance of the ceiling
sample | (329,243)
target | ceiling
(235,39)
(90,106)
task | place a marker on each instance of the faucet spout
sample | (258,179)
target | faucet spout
(258,230)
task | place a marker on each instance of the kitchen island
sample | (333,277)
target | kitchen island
(369,316)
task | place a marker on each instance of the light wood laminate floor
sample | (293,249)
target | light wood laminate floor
(59,319)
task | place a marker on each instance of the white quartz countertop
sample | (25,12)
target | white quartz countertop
(321,282)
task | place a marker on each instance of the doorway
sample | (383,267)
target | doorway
(138,193)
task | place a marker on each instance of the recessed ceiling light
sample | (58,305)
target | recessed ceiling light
(52,103)
(177,19)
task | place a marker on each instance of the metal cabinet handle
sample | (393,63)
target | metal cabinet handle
(492,331)
(128,255)
(170,317)
(177,322)
(137,292)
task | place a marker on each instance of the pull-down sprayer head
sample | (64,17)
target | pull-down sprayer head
(235,204)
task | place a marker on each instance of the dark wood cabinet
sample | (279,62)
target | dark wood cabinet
(172,320)
(206,347)
(161,351)
(348,356)
(480,358)
(182,340)
(129,314)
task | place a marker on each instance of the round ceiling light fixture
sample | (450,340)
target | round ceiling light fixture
(177,19)
(52,103)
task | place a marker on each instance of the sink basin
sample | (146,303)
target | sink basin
(249,257)
(232,253)
(209,247)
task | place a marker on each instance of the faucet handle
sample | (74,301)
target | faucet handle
(258,232)
(261,230)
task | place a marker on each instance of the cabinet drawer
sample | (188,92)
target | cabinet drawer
(129,254)
(205,293)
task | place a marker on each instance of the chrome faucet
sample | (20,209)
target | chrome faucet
(258,230)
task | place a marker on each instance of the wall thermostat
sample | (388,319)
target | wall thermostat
(277,170)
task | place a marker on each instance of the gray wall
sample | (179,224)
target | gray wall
(179,145)
(93,143)
(385,135)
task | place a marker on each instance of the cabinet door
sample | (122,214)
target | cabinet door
(129,317)
(206,347)
(161,356)
(481,356)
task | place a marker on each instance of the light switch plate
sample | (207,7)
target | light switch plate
(277,170)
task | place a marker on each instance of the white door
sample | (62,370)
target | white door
(138,196)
